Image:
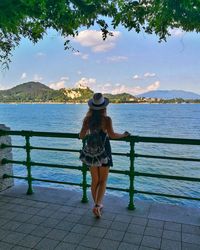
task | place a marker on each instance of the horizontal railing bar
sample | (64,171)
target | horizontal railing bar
(166,157)
(167,140)
(5,161)
(54,149)
(162,176)
(55,165)
(5,176)
(130,138)
(118,189)
(12,146)
(57,182)
(166,195)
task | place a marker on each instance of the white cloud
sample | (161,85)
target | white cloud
(59,84)
(81,55)
(149,75)
(117,58)
(23,76)
(40,54)
(37,78)
(176,32)
(136,77)
(94,40)
(64,78)
(135,90)
(86,82)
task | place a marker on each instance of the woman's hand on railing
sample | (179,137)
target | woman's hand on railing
(126,134)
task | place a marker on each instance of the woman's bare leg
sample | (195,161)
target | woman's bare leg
(103,175)
(95,182)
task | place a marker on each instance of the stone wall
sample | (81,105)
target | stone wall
(6,168)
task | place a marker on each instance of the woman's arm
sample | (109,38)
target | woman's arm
(84,129)
(111,132)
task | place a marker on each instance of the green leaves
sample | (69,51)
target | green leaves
(31,18)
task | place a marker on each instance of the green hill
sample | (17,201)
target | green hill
(38,92)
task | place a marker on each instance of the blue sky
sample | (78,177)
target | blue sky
(127,62)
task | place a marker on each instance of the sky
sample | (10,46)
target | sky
(126,62)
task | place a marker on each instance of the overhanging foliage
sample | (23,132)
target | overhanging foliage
(32,18)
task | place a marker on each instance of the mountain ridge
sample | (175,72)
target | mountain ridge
(36,92)
(170,94)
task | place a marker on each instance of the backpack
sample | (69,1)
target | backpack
(93,152)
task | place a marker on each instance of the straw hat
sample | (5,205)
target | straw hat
(98,102)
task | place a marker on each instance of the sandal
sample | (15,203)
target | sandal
(97,210)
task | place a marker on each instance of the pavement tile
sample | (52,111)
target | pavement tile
(79,211)
(89,220)
(132,238)
(137,229)
(20,248)
(151,241)
(26,228)
(11,225)
(127,246)
(3,233)
(79,228)
(188,246)
(58,215)
(13,237)
(97,231)
(173,226)
(119,226)
(123,218)
(108,215)
(65,225)
(191,238)
(84,248)
(153,231)
(170,245)
(3,221)
(66,246)
(47,244)
(147,248)
(36,220)
(73,217)
(114,235)
(190,229)
(41,231)
(90,241)
(22,217)
(45,212)
(29,241)
(139,221)
(102,223)
(8,215)
(73,237)
(107,244)
(155,223)
(5,246)
(172,235)
(57,234)
(50,222)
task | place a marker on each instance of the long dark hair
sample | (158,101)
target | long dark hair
(95,119)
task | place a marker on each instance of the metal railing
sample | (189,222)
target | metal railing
(132,140)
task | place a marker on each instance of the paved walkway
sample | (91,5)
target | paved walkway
(56,219)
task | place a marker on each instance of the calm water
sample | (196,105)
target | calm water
(181,121)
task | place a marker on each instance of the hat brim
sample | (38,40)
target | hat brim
(98,107)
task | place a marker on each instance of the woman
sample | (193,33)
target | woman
(97,120)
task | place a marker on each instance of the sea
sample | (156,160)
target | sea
(153,120)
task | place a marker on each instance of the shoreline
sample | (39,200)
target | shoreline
(133,103)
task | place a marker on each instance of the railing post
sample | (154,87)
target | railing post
(131,205)
(28,164)
(84,182)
